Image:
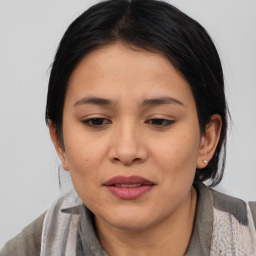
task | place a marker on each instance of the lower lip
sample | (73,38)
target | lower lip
(129,193)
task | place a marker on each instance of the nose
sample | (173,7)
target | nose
(128,145)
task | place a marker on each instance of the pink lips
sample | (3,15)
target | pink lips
(128,187)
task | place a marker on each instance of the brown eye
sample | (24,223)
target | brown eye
(96,122)
(160,122)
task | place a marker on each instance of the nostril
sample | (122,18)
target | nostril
(127,161)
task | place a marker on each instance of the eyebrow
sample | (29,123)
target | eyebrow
(161,101)
(145,103)
(93,100)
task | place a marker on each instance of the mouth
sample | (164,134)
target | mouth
(128,188)
(127,185)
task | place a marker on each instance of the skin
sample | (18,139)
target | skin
(127,139)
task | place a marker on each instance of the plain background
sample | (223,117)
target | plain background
(29,35)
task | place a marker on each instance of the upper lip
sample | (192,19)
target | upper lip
(128,180)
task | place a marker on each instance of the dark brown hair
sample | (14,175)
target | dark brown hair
(154,26)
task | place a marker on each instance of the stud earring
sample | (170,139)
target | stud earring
(205,161)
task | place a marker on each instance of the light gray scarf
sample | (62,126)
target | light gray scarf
(233,230)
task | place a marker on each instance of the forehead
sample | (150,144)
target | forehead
(118,70)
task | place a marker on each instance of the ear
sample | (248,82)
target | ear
(58,146)
(209,141)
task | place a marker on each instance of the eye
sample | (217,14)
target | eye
(160,122)
(97,122)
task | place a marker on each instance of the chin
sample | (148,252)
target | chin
(128,219)
(130,224)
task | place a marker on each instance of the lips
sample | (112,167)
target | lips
(128,188)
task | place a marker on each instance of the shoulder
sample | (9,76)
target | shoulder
(222,202)
(232,225)
(226,225)
(230,205)
(27,242)
(253,210)
(52,223)
(235,206)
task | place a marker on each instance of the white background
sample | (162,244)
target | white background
(29,35)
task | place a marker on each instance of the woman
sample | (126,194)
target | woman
(137,113)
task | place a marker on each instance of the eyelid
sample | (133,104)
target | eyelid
(168,122)
(98,121)
(95,116)
(88,120)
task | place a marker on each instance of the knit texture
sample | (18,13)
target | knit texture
(230,237)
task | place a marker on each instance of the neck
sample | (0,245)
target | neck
(170,237)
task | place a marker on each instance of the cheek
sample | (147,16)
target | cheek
(83,151)
(176,154)
(84,162)
(85,157)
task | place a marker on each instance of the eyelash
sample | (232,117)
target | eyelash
(90,121)
(103,122)
(161,120)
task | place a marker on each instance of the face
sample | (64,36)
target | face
(131,136)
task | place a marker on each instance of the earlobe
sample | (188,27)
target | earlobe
(209,141)
(58,146)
